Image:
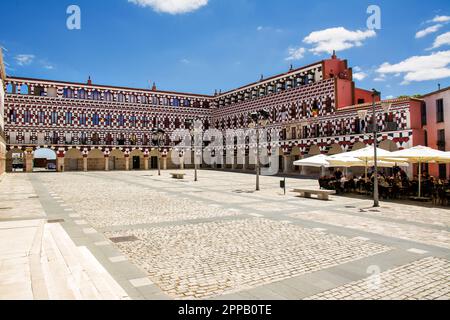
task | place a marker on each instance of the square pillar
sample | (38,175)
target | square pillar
(29,160)
(182,163)
(146,159)
(60,164)
(85,163)
(127,162)
(164,163)
(106,163)
(286,164)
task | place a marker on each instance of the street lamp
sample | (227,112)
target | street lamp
(258,119)
(158,135)
(376,200)
(193,131)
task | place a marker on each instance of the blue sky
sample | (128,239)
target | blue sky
(200,45)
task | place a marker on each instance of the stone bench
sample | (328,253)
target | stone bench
(321,194)
(179,176)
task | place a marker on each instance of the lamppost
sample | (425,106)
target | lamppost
(158,135)
(376,200)
(258,119)
(193,131)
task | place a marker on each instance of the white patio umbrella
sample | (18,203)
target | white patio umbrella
(419,155)
(318,161)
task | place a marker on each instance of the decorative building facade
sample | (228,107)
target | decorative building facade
(2,116)
(316,108)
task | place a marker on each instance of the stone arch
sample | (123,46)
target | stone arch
(314,150)
(15,160)
(73,160)
(296,154)
(335,149)
(388,145)
(95,160)
(44,159)
(116,160)
(358,146)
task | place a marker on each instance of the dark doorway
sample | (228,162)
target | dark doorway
(136,163)
(154,162)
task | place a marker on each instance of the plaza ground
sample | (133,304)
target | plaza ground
(137,235)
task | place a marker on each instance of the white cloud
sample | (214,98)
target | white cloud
(360,76)
(185,61)
(171,6)
(260,28)
(325,41)
(440,19)
(443,39)
(390,97)
(295,54)
(427,31)
(49,67)
(357,69)
(420,68)
(24,59)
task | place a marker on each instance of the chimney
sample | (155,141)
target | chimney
(154,87)
(439,86)
(89,82)
(334,55)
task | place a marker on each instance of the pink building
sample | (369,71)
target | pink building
(436,124)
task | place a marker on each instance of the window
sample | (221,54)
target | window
(361,101)
(68,117)
(121,120)
(132,99)
(108,120)
(441,139)
(54,117)
(144,99)
(440,110)
(155,100)
(81,94)
(328,105)
(68,93)
(443,171)
(108,96)
(95,95)
(176,102)
(133,121)
(205,104)
(357,126)
(120,97)
(145,121)
(423,113)
(187,103)
(425,138)
(83,119)
(95,119)
(27,116)
(41,117)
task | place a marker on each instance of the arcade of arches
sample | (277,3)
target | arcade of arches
(118,159)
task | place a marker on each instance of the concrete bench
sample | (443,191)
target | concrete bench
(179,176)
(321,194)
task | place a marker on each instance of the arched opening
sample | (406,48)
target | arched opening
(358,146)
(95,160)
(137,160)
(73,160)
(153,158)
(335,149)
(116,160)
(10,88)
(313,151)
(15,160)
(44,160)
(24,89)
(388,145)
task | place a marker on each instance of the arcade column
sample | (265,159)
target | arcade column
(146,159)
(106,163)
(127,162)
(85,163)
(29,160)
(164,159)
(60,162)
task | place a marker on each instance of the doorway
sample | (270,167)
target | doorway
(136,163)
(154,163)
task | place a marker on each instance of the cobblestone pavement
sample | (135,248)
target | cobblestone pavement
(219,238)
(196,261)
(440,238)
(426,279)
